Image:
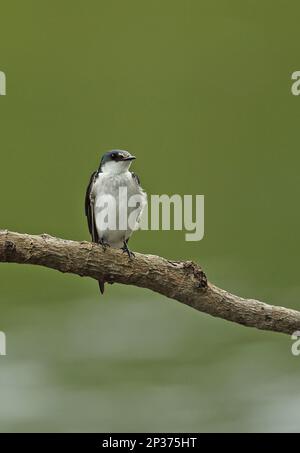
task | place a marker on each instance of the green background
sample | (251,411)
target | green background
(200,92)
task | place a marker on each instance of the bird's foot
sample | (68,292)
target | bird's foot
(126,250)
(104,244)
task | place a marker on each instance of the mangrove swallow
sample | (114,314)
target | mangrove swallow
(114,202)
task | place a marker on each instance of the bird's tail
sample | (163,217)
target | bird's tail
(101,286)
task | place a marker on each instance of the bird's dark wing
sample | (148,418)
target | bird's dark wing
(89,207)
(138,183)
(136,178)
(89,212)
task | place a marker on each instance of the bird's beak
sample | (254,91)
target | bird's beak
(129,158)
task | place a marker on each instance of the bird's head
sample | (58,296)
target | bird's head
(116,161)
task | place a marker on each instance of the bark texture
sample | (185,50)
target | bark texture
(183,281)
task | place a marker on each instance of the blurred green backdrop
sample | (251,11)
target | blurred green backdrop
(199,91)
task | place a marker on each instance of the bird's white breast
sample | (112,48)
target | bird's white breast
(108,185)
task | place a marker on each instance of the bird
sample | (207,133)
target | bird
(106,183)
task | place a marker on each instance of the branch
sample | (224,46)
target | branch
(183,281)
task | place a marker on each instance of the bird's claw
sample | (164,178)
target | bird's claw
(125,249)
(129,253)
(104,244)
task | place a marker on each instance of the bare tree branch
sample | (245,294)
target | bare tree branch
(184,281)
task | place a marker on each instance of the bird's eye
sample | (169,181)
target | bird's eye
(113,156)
